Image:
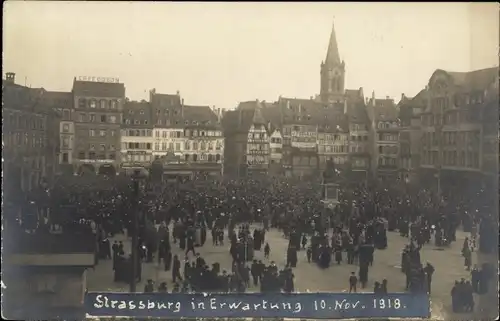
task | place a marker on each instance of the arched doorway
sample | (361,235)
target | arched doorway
(86,169)
(107,170)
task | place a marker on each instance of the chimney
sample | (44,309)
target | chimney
(361,92)
(178,93)
(152,92)
(10,77)
(288,104)
(310,97)
(402,96)
(387,97)
(182,102)
(373,95)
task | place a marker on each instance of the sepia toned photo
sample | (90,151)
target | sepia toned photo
(272,160)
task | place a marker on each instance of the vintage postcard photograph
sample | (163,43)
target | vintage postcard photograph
(239,160)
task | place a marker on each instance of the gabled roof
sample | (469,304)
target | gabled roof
(98,89)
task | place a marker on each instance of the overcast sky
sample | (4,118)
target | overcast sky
(223,53)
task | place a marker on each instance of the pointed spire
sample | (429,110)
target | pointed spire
(332,55)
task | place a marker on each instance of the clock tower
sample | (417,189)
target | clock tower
(332,74)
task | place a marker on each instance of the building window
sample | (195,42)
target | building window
(141,112)
(91,132)
(195,145)
(65,158)
(112,132)
(103,104)
(65,128)
(210,158)
(66,114)
(82,102)
(92,147)
(92,103)
(137,122)
(157,146)
(112,156)
(170,146)
(103,118)
(217,158)
(195,157)
(186,146)
(83,117)
(102,147)
(113,104)
(163,146)
(145,122)
(112,147)
(112,119)
(177,146)
(65,142)
(102,133)
(164,134)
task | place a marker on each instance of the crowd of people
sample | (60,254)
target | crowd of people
(188,213)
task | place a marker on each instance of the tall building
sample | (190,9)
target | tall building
(352,101)
(332,73)
(246,131)
(458,144)
(300,121)
(385,124)
(63,131)
(30,146)
(97,119)
(187,139)
(410,135)
(136,136)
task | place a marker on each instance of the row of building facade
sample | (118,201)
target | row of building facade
(450,126)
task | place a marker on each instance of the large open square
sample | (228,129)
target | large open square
(448,262)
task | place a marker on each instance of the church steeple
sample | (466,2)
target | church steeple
(332,73)
(332,55)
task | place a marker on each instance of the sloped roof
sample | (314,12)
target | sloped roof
(475,80)
(98,89)
(356,107)
(301,111)
(199,113)
(165,100)
(58,99)
(138,110)
(385,109)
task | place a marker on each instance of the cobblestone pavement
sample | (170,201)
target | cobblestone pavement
(308,277)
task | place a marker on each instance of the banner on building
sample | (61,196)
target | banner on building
(262,305)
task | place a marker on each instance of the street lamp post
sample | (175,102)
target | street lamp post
(136,177)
